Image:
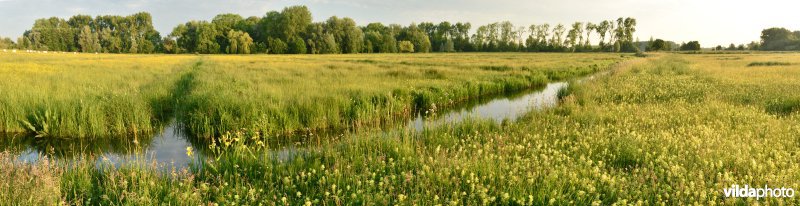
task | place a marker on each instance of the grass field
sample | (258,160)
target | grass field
(671,129)
(69,96)
(280,94)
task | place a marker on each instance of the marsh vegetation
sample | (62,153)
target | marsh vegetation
(665,129)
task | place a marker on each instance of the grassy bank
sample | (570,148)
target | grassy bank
(103,95)
(84,95)
(277,94)
(671,130)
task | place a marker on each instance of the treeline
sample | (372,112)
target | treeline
(780,39)
(108,34)
(772,39)
(292,31)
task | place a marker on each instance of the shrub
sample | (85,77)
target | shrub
(766,64)
(406,47)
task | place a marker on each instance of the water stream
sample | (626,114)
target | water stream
(169,148)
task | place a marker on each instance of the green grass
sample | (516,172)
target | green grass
(278,94)
(87,96)
(669,129)
(78,96)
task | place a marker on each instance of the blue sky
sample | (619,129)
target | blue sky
(711,22)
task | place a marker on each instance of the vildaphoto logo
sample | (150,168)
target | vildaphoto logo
(758,193)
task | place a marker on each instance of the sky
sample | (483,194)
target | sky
(712,22)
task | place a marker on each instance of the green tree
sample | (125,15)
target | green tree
(658,45)
(448,46)
(134,46)
(573,36)
(406,47)
(277,46)
(779,39)
(417,37)
(239,42)
(293,22)
(590,27)
(556,41)
(88,40)
(170,46)
(690,46)
(297,46)
(7,43)
(602,29)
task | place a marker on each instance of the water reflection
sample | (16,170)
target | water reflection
(169,147)
(498,109)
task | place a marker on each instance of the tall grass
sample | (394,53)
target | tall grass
(86,96)
(280,94)
(671,130)
(68,96)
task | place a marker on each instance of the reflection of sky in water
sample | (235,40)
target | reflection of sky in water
(498,109)
(169,147)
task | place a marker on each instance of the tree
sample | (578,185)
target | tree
(376,41)
(731,47)
(89,41)
(329,45)
(134,46)
(417,37)
(225,23)
(590,27)
(690,46)
(170,46)
(7,43)
(448,46)
(293,22)
(573,35)
(556,41)
(115,34)
(277,46)
(658,45)
(297,46)
(197,37)
(461,37)
(348,36)
(239,42)
(406,47)
(601,29)
(779,39)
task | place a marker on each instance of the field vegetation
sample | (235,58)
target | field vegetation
(78,96)
(670,129)
(88,96)
(289,93)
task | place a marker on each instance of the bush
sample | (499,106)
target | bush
(783,107)
(406,47)
(297,46)
(756,64)
(276,46)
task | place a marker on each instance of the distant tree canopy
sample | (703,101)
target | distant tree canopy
(690,46)
(293,31)
(779,39)
(112,34)
(7,43)
(658,45)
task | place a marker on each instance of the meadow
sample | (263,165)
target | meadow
(112,96)
(669,129)
(87,96)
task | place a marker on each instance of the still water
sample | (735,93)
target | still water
(169,148)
